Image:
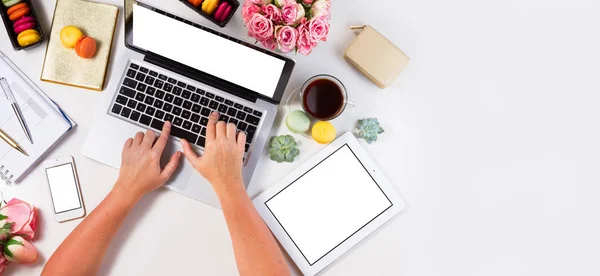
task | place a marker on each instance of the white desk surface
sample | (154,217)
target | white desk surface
(492,137)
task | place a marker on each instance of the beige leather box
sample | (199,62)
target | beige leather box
(376,57)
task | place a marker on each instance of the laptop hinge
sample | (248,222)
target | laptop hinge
(198,76)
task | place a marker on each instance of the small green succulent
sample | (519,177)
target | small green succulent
(283,149)
(368,129)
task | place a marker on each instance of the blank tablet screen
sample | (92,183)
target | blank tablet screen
(328,204)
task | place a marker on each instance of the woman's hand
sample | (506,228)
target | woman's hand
(221,163)
(140,166)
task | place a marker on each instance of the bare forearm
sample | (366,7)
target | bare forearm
(82,252)
(255,249)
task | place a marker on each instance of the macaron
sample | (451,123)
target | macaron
(19,28)
(24,19)
(70,35)
(209,6)
(86,47)
(8,3)
(28,37)
(222,12)
(226,13)
(195,3)
(17,11)
(25,23)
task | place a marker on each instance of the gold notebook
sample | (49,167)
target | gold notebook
(62,65)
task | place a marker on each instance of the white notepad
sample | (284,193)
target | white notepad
(47,123)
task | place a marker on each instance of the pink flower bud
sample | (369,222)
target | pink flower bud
(19,250)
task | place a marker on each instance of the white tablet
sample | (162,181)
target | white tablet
(329,204)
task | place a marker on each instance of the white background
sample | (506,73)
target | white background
(491,137)
(61,179)
(328,204)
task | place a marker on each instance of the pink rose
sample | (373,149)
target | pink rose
(272,13)
(248,10)
(292,13)
(270,43)
(305,41)
(3,263)
(319,28)
(321,8)
(286,38)
(19,250)
(260,27)
(21,215)
(261,2)
(308,2)
(281,3)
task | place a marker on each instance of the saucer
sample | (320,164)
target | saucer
(342,123)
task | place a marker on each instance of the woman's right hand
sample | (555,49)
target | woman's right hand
(221,163)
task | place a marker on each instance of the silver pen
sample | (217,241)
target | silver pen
(11,99)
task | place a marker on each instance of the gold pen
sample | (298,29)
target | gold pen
(12,142)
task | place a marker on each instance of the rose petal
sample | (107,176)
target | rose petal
(18,213)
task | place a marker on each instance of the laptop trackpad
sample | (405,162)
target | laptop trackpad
(187,181)
(180,178)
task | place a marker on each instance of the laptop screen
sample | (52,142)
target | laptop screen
(206,51)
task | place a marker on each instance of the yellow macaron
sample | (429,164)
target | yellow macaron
(28,37)
(209,6)
(69,36)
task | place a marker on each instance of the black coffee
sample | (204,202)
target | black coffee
(323,99)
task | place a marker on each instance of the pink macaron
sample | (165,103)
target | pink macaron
(222,13)
(226,13)
(27,18)
(24,24)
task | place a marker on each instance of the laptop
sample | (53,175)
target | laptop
(188,71)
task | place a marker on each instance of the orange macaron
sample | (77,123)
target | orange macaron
(86,47)
(17,11)
(195,3)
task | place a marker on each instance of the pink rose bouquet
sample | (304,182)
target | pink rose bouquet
(288,25)
(18,222)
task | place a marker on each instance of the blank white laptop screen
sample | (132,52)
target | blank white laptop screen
(328,204)
(206,52)
(63,188)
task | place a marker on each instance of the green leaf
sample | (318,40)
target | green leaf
(8,225)
(4,231)
(3,217)
(9,243)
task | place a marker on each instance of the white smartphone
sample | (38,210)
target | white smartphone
(63,184)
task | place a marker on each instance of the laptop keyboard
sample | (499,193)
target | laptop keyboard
(150,98)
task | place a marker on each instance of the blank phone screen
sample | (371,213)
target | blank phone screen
(328,204)
(63,188)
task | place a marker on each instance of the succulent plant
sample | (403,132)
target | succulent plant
(368,129)
(283,149)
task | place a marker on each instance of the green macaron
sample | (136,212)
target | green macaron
(10,3)
(297,121)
